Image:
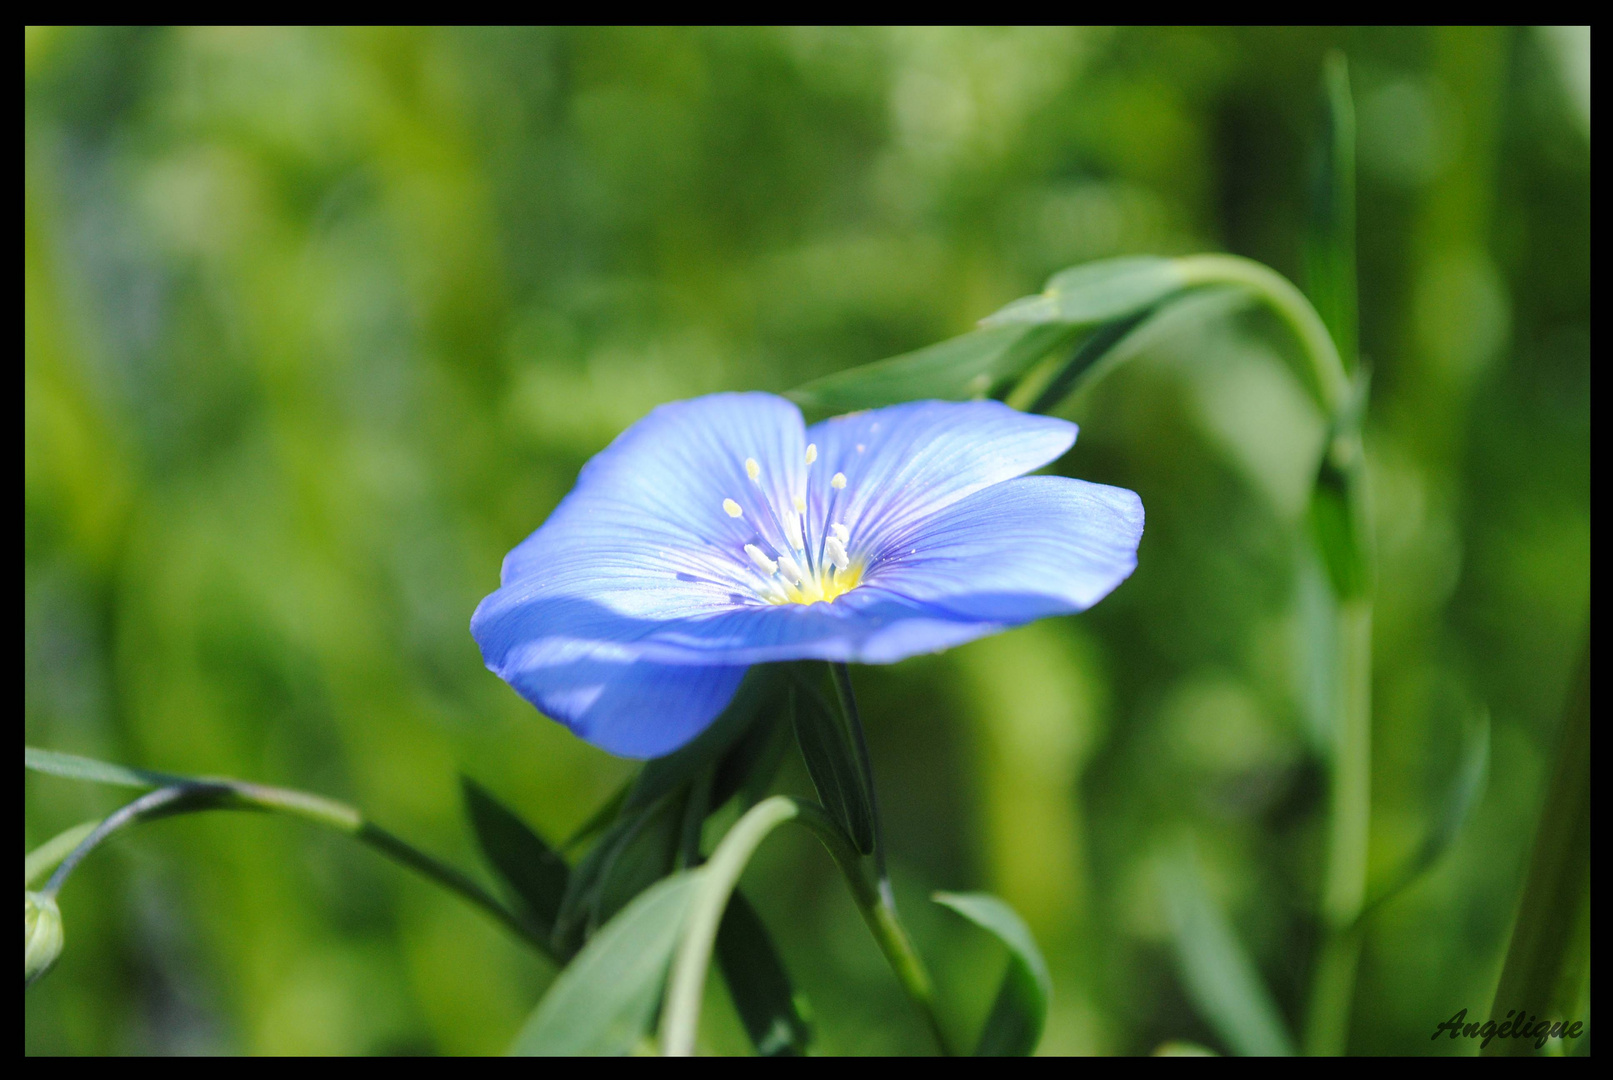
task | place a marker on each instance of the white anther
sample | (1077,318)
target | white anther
(792,532)
(792,570)
(800,504)
(752,469)
(840,531)
(837,552)
(732,508)
(838,481)
(812,452)
(767,566)
(861,448)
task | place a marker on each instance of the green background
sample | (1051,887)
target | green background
(318,324)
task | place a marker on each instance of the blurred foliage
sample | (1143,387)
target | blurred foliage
(318,324)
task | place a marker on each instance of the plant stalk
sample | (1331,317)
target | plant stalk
(220,794)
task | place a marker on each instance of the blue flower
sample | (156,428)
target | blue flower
(723,532)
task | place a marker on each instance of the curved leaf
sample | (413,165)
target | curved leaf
(604,1001)
(973,365)
(1095,293)
(1014,1026)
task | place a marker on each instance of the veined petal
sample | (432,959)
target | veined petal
(1020,550)
(646,533)
(906,462)
(631,708)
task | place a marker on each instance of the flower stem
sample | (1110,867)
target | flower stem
(153,804)
(881,918)
(1344,886)
(686,983)
(223,794)
(47,856)
(1329,380)
(880,913)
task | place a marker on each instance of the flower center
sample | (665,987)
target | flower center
(788,564)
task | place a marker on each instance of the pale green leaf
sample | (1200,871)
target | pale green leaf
(1014,1026)
(604,1002)
(1217,973)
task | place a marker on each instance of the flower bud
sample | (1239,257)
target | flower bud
(42,935)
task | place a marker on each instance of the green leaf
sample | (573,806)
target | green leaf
(532,870)
(45,858)
(831,762)
(1336,522)
(1330,274)
(630,856)
(973,365)
(1100,343)
(601,819)
(760,691)
(1014,1026)
(1467,786)
(74,767)
(751,763)
(758,983)
(1095,293)
(1218,974)
(604,1002)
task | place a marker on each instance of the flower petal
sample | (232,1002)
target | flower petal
(904,463)
(631,708)
(645,531)
(1020,550)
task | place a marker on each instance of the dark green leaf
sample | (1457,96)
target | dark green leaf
(973,365)
(1094,293)
(1330,275)
(663,775)
(74,767)
(751,763)
(758,984)
(649,853)
(1097,345)
(631,855)
(1217,973)
(532,870)
(603,1003)
(832,763)
(1014,1026)
(1339,533)
(601,819)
